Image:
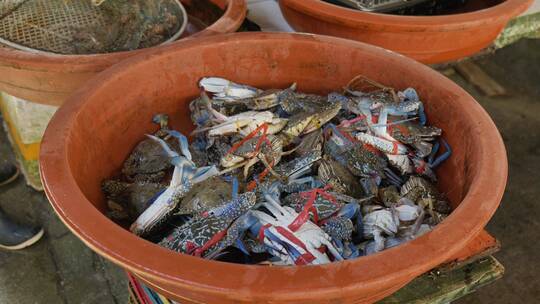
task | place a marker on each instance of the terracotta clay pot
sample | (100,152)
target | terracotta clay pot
(50,79)
(92,134)
(429,39)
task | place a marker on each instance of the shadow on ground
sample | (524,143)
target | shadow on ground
(60,269)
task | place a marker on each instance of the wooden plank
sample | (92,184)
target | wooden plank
(475,75)
(445,287)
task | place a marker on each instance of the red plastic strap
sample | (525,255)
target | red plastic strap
(348,123)
(214,240)
(322,192)
(291,237)
(304,259)
(303,216)
(395,148)
(253,184)
(190,247)
(348,136)
(311,195)
(261,232)
(251,135)
(422,168)
(371,149)
(402,129)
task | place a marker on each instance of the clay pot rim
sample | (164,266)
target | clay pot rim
(197,274)
(231,20)
(354,18)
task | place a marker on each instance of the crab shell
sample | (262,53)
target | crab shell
(148,158)
(270,98)
(134,196)
(300,102)
(204,196)
(247,150)
(333,173)
(322,116)
(202,234)
(323,207)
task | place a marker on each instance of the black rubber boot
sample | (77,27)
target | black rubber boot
(8,173)
(14,236)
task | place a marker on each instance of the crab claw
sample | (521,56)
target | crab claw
(227,90)
(184,144)
(176,159)
(162,120)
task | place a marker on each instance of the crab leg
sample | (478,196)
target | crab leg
(384,145)
(163,205)
(184,144)
(393,178)
(439,160)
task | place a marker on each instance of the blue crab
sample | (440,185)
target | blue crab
(134,198)
(184,176)
(332,173)
(416,135)
(285,234)
(425,168)
(423,193)
(361,160)
(207,234)
(308,121)
(147,162)
(228,93)
(206,195)
(333,216)
(249,151)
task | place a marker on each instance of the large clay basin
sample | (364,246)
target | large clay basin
(429,39)
(50,79)
(91,135)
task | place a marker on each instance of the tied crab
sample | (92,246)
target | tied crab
(362,160)
(285,234)
(242,123)
(208,233)
(252,149)
(334,217)
(332,173)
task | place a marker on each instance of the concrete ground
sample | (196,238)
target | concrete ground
(60,269)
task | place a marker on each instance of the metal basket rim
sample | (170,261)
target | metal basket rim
(173,38)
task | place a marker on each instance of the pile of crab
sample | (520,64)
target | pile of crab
(286,178)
